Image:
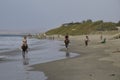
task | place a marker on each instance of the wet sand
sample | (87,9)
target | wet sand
(96,61)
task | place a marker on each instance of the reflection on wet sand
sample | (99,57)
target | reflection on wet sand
(67,53)
(26,60)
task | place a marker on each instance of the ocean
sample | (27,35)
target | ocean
(8,43)
(14,67)
(14,42)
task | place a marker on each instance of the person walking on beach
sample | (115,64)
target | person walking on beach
(86,41)
(24,46)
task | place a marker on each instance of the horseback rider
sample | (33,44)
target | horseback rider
(24,46)
(66,41)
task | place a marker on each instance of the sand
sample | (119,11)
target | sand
(96,61)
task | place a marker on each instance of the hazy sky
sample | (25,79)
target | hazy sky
(41,15)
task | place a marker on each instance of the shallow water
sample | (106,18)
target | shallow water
(16,68)
(17,71)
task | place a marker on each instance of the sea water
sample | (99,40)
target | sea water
(41,51)
(13,42)
(8,43)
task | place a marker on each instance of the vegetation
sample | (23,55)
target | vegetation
(84,27)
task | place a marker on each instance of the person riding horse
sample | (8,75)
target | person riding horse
(66,42)
(24,46)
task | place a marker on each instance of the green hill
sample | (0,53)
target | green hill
(85,27)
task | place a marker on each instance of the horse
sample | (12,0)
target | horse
(24,48)
(66,42)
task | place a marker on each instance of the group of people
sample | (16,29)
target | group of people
(24,46)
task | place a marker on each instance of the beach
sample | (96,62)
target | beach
(97,61)
(47,60)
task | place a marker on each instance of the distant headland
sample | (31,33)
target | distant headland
(85,27)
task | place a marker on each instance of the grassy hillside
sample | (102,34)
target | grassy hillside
(85,27)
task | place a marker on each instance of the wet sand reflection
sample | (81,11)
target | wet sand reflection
(67,53)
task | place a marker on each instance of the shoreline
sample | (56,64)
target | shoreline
(96,62)
(40,53)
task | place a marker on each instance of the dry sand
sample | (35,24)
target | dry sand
(96,61)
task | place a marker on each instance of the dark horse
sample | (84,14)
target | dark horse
(66,45)
(24,49)
(66,42)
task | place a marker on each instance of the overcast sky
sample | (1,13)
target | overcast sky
(41,15)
